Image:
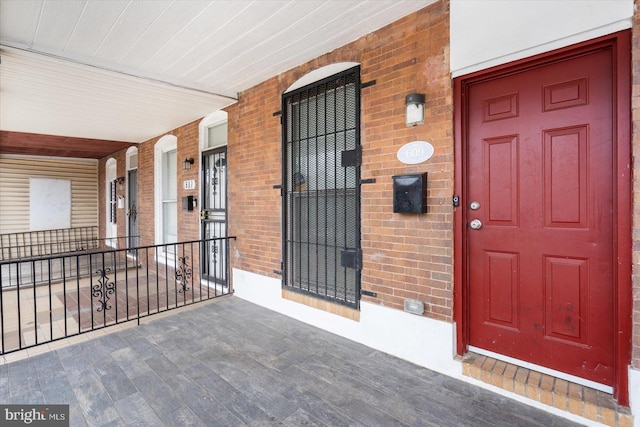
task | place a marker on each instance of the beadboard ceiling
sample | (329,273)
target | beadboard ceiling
(129,70)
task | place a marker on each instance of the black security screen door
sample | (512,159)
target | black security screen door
(321,144)
(213,216)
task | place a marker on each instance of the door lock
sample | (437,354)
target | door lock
(476,224)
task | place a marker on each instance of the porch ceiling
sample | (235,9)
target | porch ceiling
(33,144)
(127,70)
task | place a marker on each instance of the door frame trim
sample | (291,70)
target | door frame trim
(620,43)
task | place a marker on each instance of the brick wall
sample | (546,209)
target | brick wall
(146,198)
(405,256)
(188,221)
(408,256)
(188,146)
(635,106)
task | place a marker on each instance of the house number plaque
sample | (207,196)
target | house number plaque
(415,152)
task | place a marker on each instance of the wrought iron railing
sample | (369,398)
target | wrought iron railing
(118,285)
(52,266)
(47,242)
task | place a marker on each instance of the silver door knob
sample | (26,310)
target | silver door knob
(476,224)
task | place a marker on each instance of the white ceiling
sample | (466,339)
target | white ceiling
(129,70)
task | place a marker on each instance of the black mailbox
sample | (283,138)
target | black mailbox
(410,193)
(188,203)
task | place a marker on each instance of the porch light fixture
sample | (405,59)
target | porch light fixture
(415,109)
(120,181)
(186,165)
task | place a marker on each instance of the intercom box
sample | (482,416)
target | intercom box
(410,193)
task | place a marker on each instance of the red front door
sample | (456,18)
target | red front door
(540,169)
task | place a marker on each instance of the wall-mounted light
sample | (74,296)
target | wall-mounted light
(415,109)
(186,165)
(120,181)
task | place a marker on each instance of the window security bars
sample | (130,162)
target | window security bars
(112,202)
(321,145)
(100,289)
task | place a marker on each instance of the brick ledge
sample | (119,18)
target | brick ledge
(577,399)
(321,304)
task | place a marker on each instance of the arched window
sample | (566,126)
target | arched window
(132,158)
(213,130)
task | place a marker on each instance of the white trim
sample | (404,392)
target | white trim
(212,119)
(164,144)
(552,372)
(634,394)
(546,47)
(130,152)
(321,73)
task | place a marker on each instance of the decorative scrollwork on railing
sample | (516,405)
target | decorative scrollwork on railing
(214,183)
(103,289)
(214,251)
(183,274)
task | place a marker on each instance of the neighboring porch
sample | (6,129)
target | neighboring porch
(45,299)
(230,362)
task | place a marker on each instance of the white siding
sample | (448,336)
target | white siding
(485,33)
(15,172)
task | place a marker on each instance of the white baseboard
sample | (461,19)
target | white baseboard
(634,395)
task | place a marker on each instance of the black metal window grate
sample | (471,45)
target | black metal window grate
(112,202)
(321,142)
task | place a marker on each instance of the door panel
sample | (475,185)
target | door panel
(566,282)
(501,308)
(501,187)
(540,165)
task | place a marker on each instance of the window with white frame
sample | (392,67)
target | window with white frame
(213,130)
(166,192)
